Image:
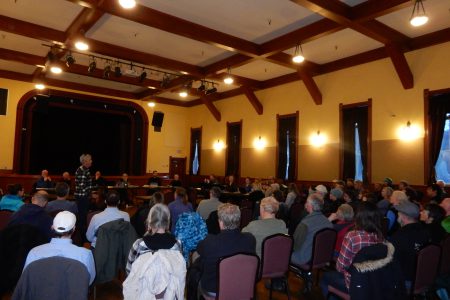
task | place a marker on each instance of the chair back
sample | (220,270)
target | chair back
(169,196)
(246,216)
(427,266)
(275,255)
(237,276)
(5,216)
(69,280)
(384,226)
(445,256)
(323,247)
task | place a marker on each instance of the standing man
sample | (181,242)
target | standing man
(83,186)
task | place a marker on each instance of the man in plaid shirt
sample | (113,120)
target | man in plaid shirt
(83,186)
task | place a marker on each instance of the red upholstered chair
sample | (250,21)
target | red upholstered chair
(427,266)
(322,255)
(5,216)
(445,256)
(275,257)
(246,216)
(237,277)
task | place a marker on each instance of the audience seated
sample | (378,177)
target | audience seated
(402,185)
(207,206)
(13,199)
(190,230)
(179,206)
(61,245)
(383,204)
(176,181)
(367,232)
(342,223)
(98,180)
(409,239)
(434,193)
(445,204)
(332,203)
(293,195)
(154,180)
(432,217)
(441,184)
(231,185)
(66,179)
(61,203)
(157,236)
(305,231)
(396,199)
(123,182)
(110,213)
(34,214)
(45,182)
(228,242)
(267,224)
(138,220)
(248,187)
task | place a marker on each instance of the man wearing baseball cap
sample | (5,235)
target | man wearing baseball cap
(409,239)
(61,245)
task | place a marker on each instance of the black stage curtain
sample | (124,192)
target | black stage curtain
(233,149)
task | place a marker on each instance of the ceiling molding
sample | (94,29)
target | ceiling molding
(212,108)
(401,65)
(156,19)
(311,86)
(254,101)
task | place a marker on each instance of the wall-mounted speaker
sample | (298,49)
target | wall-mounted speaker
(3,101)
(157,120)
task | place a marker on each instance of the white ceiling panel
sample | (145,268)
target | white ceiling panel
(253,20)
(118,31)
(438,12)
(261,70)
(22,43)
(16,67)
(95,82)
(335,46)
(55,14)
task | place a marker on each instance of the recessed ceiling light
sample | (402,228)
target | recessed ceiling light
(39,86)
(152,87)
(56,70)
(80,45)
(228,80)
(183,94)
(127,3)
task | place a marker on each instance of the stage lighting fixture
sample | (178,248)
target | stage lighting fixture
(117,71)
(70,60)
(92,66)
(107,71)
(211,90)
(143,76)
(202,87)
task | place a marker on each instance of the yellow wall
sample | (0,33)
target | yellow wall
(392,106)
(171,141)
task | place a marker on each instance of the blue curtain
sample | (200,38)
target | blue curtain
(359,168)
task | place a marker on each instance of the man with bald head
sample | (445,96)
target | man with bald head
(45,182)
(34,214)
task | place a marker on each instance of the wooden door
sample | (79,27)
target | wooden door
(177,165)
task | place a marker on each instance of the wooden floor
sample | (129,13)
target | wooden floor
(113,291)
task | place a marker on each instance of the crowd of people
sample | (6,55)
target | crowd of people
(179,245)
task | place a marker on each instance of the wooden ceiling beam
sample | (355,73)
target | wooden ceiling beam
(212,108)
(401,65)
(31,30)
(285,60)
(300,36)
(334,10)
(310,85)
(25,58)
(162,21)
(85,20)
(254,101)
(370,10)
(238,80)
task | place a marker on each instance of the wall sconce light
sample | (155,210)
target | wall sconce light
(409,132)
(317,139)
(259,143)
(219,145)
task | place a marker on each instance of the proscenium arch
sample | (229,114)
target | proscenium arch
(127,108)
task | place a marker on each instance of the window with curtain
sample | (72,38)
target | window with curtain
(355,141)
(438,138)
(287,147)
(442,166)
(233,148)
(196,141)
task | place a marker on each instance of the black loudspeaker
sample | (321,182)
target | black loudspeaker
(3,99)
(157,121)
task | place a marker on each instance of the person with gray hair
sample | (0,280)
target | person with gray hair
(267,225)
(158,235)
(342,222)
(228,242)
(83,186)
(305,231)
(207,206)
(397,198)
(34,214)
